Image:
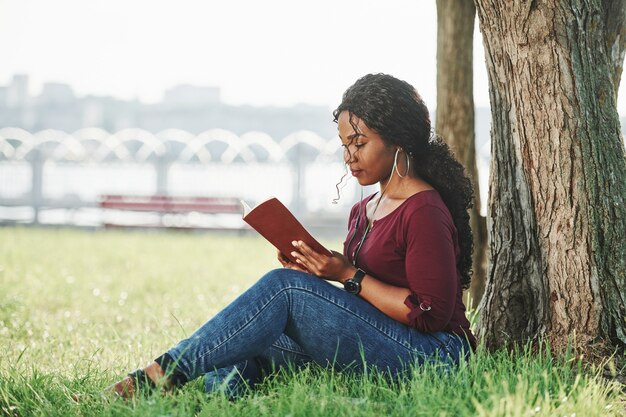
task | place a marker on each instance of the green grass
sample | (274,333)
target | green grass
(80,309)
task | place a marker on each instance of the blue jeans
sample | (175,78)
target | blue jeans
(292,318)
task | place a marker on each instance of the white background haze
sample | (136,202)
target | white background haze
(270,52)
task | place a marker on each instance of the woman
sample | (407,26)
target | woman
(406,260)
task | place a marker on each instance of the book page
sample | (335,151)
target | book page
(246,208)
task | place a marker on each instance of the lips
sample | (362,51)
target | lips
(355,172)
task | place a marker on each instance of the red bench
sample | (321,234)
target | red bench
(164,205)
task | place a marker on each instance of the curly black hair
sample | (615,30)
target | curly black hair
(393,108)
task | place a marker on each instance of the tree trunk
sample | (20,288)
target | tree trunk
(557,213)
(455,113)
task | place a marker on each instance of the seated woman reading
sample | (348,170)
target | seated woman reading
(406,260)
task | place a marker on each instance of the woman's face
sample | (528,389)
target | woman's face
(367,155)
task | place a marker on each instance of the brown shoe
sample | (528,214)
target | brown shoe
(147,380)
(124,389)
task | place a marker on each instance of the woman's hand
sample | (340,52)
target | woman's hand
(333,268)
(286,263)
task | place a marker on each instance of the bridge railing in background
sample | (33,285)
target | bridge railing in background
(54,177)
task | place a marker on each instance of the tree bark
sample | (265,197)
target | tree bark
(557,213)
(455,113)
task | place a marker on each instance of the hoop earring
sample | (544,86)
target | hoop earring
(395,164)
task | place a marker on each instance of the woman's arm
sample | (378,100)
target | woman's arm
(387,298)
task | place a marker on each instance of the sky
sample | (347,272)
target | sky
(258,52)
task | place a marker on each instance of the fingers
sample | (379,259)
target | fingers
(305,249)
(284,261)
(313,261)
(328,267)
(301,255)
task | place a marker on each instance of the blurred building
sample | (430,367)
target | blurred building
(185,96)
(191,108)
(186,107)
(17,92)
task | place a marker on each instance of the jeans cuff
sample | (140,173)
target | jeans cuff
(168,364)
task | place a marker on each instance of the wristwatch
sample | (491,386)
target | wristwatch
(353,285)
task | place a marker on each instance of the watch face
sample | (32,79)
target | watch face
(352,287)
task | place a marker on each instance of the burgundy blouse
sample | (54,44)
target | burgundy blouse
(415,247)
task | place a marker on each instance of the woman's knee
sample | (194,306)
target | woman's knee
(284,278)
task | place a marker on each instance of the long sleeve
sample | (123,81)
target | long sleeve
(431,258)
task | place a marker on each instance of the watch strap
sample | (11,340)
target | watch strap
(358,275)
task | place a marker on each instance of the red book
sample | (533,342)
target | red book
(279,226)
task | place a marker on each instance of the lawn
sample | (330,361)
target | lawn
(79,309)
